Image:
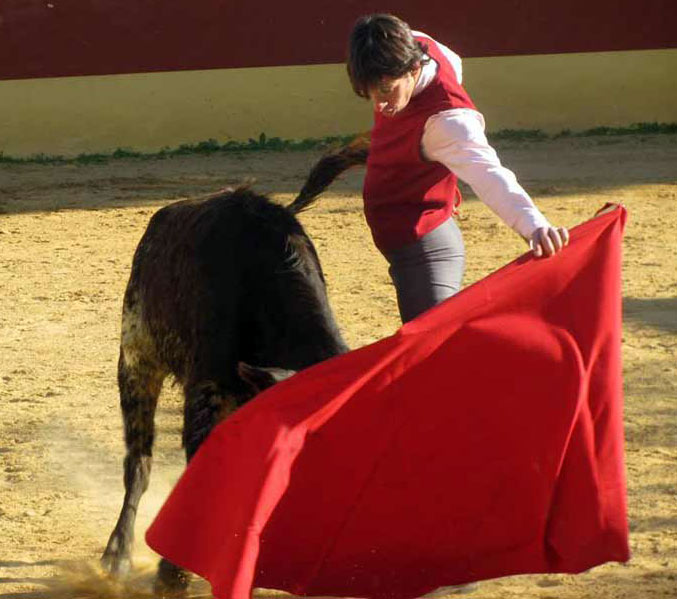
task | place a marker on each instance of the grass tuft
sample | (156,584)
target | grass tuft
(518,135)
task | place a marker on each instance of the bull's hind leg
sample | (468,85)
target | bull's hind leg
(140,382)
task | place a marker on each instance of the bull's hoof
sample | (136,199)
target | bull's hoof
(171,580)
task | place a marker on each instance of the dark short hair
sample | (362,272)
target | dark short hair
(381,45)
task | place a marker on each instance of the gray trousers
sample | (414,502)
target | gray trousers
(427,271)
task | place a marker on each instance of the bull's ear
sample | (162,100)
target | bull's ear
(259,378)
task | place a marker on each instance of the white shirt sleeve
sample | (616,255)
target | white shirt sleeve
(456,138)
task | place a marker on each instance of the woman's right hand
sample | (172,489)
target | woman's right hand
(547,241)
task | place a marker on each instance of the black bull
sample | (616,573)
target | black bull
(217,284)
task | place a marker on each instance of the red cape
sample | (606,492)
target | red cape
(483,439)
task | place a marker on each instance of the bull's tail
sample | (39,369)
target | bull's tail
(330,166)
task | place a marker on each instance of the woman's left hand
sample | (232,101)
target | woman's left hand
(546,241)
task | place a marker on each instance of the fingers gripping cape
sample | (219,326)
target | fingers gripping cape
(483,439)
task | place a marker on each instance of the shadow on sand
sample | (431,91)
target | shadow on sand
(660,313)
(547,169)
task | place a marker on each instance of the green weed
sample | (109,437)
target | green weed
(277,144)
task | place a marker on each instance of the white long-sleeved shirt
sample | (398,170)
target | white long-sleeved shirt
(456,138)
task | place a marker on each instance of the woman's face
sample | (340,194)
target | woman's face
(392,95)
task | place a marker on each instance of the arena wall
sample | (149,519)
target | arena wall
(96,76)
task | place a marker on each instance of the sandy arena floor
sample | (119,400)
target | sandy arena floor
(67,234)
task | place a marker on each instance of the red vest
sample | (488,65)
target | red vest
(405,196)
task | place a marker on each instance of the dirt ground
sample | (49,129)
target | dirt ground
(67,234)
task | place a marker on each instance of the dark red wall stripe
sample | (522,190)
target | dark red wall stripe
(49,38)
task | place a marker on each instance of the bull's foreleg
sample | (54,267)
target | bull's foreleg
(206,403)
(204,406)
(140,383)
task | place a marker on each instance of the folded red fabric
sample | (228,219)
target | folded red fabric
(483,439)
